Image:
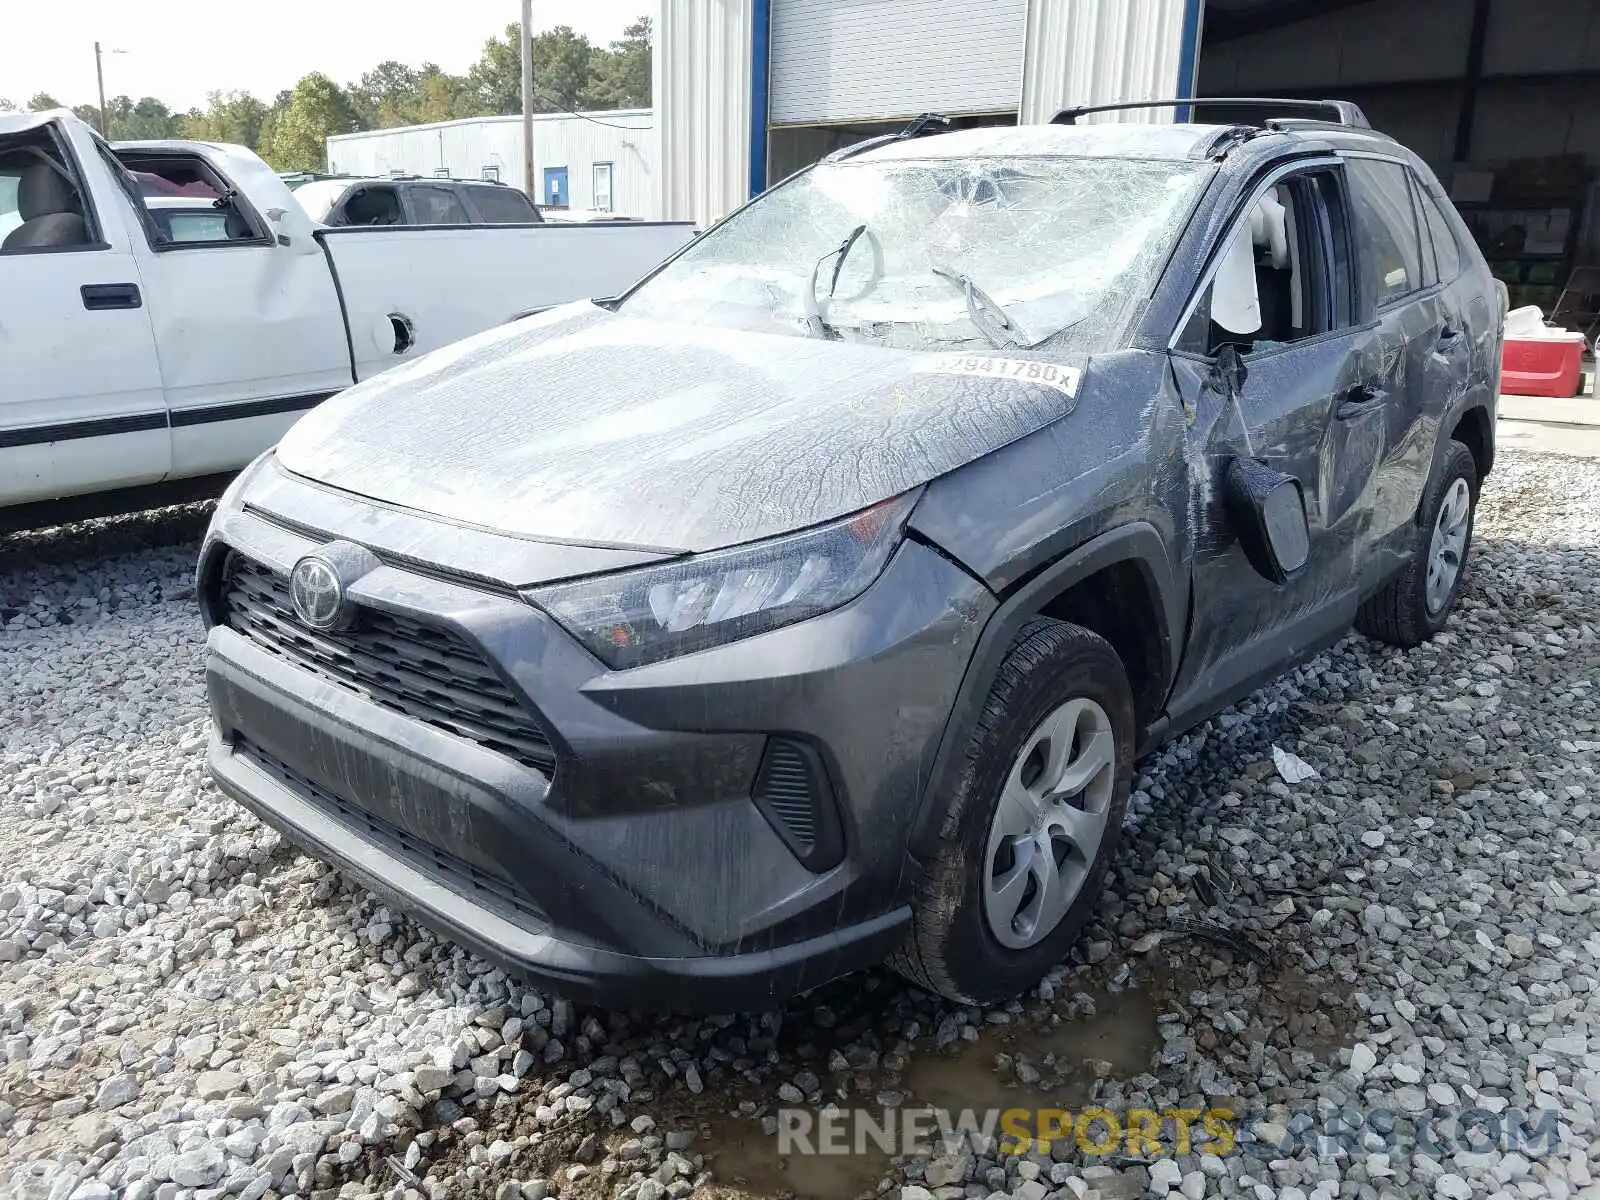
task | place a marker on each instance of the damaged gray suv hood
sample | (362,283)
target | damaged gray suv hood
(587,426)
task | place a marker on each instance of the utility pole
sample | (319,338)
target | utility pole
(100,78)
(527,100)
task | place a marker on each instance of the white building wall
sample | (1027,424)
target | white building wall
(702,83)
(1101,52)
(624,138)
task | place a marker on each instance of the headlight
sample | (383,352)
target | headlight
(636,617)
(234,493)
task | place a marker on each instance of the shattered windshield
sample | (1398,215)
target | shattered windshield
(1005,252)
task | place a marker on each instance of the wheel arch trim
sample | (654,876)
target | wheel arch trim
(1137,543)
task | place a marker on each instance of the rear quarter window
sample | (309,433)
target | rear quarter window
(502,205)
(1386,230)
(1442,233)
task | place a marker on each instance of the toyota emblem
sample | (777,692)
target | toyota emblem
(317,593)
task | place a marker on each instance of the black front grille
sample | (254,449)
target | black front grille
(429,673)
(456,873)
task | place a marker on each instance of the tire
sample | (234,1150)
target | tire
(1400,613)
(1056,676)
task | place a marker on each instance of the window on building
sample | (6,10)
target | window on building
(1386,225)
(602,186)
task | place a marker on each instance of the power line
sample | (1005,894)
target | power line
(572,112)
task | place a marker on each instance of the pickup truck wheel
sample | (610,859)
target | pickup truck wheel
(1033,820)
(1415,604)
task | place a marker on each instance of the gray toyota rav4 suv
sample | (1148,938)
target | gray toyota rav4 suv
(808,605)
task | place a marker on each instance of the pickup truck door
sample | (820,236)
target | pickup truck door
(81,406)
(249,330)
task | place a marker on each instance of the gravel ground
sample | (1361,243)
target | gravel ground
(188,1008)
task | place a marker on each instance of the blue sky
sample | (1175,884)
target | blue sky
(180,51)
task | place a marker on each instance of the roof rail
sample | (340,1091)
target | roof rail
(1344,112)
(920,126)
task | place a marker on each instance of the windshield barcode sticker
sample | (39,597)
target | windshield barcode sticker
(1023,370)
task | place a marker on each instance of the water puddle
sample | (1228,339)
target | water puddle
(749,1167)
(1041,1062)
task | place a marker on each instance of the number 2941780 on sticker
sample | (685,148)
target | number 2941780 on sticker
(1059,378)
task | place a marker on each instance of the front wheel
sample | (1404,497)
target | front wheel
(1415,605)
(1033,820)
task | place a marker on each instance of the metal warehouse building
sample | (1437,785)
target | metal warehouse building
(601,160)
(1501,96)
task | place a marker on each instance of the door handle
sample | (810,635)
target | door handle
(98,297)
(1449,339)
(1355,401)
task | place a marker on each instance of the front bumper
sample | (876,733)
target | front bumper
(638,871)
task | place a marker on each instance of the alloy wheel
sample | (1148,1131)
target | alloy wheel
(1049,823)
(1447,547)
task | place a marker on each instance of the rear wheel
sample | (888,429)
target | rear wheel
(1415,605)
(1033,820)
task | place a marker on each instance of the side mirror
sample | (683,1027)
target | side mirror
(1267,510)
(1231,371)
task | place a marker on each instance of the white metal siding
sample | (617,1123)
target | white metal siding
(848,60)
(465,148)
(702,85)
(1101,52)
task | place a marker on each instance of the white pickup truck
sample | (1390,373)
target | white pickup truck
(167,310)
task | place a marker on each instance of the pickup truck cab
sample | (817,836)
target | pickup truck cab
(413,200)
(167,310)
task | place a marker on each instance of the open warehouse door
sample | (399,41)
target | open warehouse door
(1502,97)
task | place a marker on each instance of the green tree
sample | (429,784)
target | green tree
(41,101)
(233,117)
(389,94)
(443,96)
(561,64)
(318,108)
(619,76)
(147,120)
(6,105)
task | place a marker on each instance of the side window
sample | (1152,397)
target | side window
(372,206)
(1271,287)
(435,205)
(1446,250)
(187,203)
(1386,229)
(43,207)
(10,213)
(502,205)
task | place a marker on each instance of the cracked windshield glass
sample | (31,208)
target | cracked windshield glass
(1013,253)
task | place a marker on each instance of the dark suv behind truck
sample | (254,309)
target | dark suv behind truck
(413,200)
(810,604)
